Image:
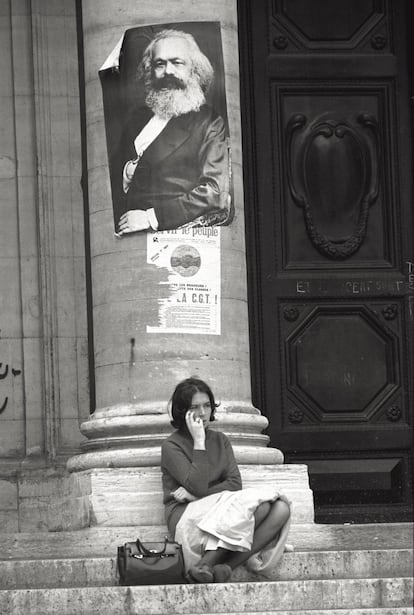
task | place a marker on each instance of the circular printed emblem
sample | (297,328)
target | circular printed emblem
(186,261)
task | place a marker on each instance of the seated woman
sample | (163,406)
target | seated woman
(205,507)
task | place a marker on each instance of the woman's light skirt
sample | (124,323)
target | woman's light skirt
(226,520)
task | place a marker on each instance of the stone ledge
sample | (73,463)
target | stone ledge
(53,500)
(131,496)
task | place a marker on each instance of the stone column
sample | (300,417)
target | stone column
(136,371)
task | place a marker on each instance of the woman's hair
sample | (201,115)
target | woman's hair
(201,65)
(181,399)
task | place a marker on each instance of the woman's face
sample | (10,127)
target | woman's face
(200,405)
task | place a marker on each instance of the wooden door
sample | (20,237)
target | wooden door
(328,172)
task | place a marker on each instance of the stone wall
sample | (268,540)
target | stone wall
(43,332)
(43,500)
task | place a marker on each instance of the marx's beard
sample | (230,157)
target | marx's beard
(171,97)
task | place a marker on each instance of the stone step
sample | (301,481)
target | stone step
(237,598)
(299,565)
(102,541)
(386,611)
(374,611)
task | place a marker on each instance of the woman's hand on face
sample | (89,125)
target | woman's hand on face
(182,495)
(195,427)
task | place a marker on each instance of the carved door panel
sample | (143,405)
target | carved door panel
(327,151)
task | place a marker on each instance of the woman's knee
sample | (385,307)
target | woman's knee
(280,511)
(262,512)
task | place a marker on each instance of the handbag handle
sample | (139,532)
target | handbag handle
(149,552)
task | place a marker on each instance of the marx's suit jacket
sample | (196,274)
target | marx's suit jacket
(183,174)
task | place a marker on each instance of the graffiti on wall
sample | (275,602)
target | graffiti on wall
(5,372)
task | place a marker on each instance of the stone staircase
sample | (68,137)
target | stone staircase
(335,570)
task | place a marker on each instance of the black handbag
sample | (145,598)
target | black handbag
(151,563)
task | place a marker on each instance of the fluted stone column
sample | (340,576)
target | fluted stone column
(136,371)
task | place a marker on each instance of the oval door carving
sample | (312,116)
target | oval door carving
(333,176)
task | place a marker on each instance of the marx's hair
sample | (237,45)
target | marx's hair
(201,66)
(181,400)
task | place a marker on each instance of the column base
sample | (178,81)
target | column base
(129,435)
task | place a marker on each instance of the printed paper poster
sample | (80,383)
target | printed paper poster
(192,257)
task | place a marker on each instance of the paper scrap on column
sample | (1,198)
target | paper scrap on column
(192,257)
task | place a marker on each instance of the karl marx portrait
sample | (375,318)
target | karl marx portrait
(169,157)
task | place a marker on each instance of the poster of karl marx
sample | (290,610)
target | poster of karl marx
(166,128)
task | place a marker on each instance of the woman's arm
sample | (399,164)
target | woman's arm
(232,479)
(189,472)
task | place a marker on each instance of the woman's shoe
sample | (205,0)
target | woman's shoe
(200,574)
(222,573)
